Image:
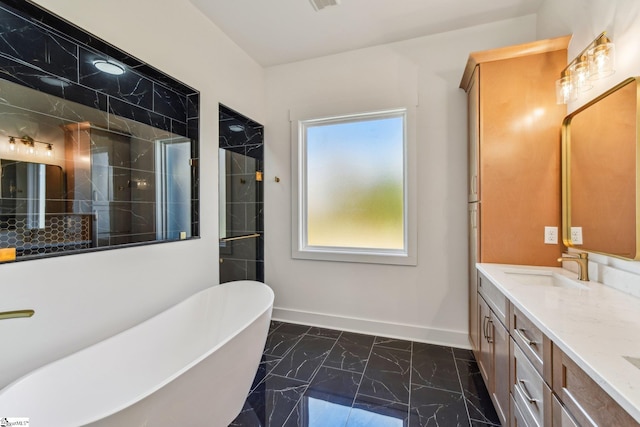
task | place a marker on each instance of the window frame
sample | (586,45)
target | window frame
(300,248)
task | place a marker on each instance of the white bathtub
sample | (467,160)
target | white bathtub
(191,365)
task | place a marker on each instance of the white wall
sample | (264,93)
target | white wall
(586,20)
(81,299)
(427,302)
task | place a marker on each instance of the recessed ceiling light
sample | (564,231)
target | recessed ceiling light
(321,4)
(109,67)
(236,128)
(53,81)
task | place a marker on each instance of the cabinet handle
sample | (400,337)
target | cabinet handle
(484,326)
(520,333)
(489,336)
(526,393)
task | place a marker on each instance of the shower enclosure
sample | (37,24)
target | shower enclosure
(241,196)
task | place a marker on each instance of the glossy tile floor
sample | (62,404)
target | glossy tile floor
(316,377)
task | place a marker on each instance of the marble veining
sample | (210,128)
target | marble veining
(595,327)
(374,384)
(54,57)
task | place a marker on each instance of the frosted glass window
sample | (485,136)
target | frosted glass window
(353,175)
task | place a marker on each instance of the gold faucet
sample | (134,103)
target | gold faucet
(582,259)
(15,314)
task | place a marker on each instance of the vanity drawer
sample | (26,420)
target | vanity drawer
(561,417)
(583,398)
(518,418)
(530,392)
(495,299)
(535,345)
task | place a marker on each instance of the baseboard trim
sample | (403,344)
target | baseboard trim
(374,327)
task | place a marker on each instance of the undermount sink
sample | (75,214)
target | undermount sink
(545,278)
(635,361)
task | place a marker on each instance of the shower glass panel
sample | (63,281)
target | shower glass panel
(241,197)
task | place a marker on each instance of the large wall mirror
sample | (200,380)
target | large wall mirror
(97,149)
(600,174)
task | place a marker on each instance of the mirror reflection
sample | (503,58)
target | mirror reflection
(600,150)
(76,178)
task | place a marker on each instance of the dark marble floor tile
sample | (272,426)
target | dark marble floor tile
(313,412)
(267,363)
(393,343)
(431,407)
(280,341)
(274,325)
(324,332)
(334,385)
(270,403)
(434,366)
(328,399)
(369,411)
(351,352)
(479,402)
(293,328)
(387,375)
(463,353)
(432,351)
(305,358)
(356,338)
(475,423)
(326,368)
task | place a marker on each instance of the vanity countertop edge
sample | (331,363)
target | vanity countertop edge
(595,327)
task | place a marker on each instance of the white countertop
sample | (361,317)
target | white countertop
(594,327)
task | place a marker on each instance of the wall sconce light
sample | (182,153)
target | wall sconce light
(29,145)
(596,61)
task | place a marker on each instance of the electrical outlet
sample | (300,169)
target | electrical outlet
(576,235)
(551,235)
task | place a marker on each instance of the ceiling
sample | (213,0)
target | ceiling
(276,32)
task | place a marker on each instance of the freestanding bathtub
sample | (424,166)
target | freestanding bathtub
(191,365)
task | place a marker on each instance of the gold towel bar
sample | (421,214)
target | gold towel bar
(248,236)
(15,314)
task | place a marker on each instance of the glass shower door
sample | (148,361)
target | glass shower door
(241,198)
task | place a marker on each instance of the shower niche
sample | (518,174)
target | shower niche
(241,196)
(98,150)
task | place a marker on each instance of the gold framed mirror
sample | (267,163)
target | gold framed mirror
(600,156)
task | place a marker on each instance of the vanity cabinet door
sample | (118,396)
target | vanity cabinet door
(484,343)
(584,399)
(474,323)
(500,392)
(494,359)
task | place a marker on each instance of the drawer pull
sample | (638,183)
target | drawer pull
(489,336)
(525,392)
(520,333)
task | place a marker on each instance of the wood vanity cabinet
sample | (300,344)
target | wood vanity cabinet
(493,354)
(513,158)
(531,381)
(514,149)
(530,368)
(581,400)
